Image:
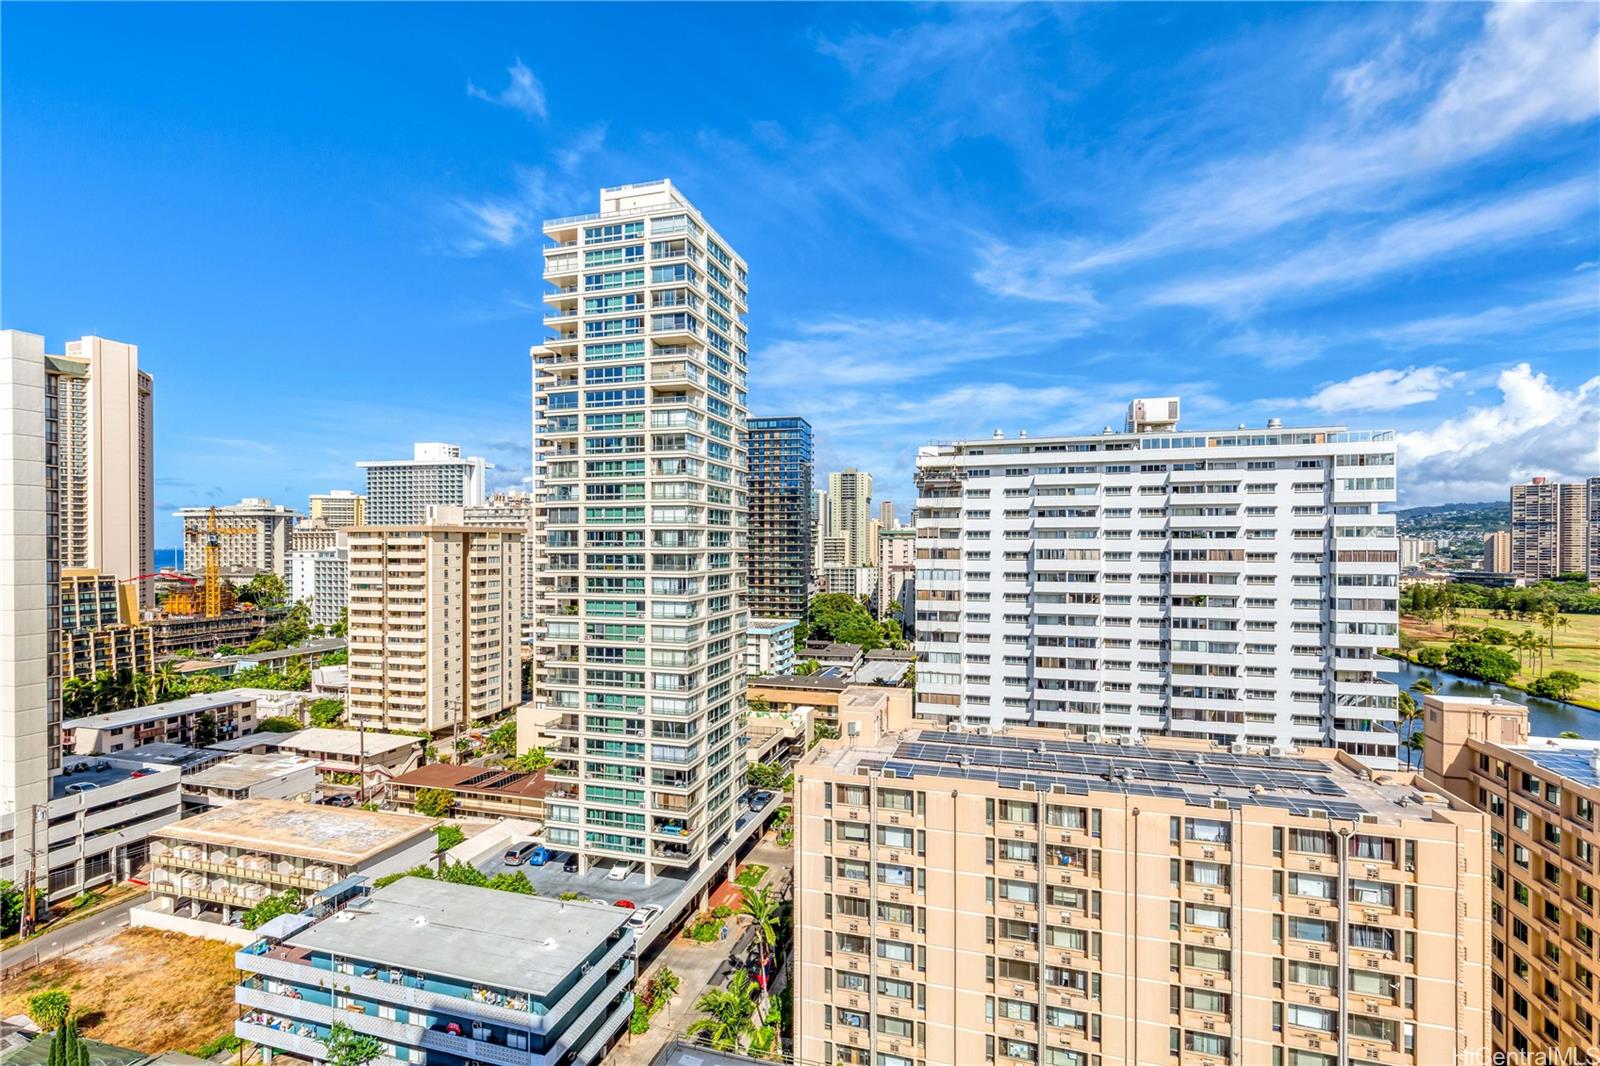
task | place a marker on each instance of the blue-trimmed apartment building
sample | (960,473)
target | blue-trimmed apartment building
(443,974)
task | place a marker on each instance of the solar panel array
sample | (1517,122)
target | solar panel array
(1577,765)
(1302,786)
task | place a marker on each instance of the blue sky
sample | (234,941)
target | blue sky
(320,222)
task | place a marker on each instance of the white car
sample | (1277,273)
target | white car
(81,787)
(641,918)
(621,870)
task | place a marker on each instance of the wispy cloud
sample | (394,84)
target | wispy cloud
(1354,259)
(1384,390)
(1576,299)
(523,93)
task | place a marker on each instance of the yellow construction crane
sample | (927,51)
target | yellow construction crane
(213,560)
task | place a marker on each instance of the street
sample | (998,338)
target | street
(63,940)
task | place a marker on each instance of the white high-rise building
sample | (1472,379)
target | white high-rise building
(850,515)
(263,550)
(399,491)
(321,577)
(640,466)
(1233,584)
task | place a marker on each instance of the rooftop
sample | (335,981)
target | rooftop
(157,711)
(832,649)
(1576,760)
(343,835)
(245,771)
(1158,767)
(505,939)
(314,646)
(881,672)
(819,682)
(476,779)
(771,625)
(343,741)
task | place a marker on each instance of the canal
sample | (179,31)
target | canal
(1546,718)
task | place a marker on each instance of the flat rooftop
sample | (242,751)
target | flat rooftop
(479,935)
(881,672)
(342,835)
(818,682)
(1180,771)
(771,625)
(157,711)
(103,770)
(516,783)
(344,741)
(247,771)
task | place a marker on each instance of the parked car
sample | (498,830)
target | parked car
(540,855)
(759,800)
(625,904)
(621,870)
(341,800)
(571,864)
(81,787)
(641,918)
(517,854)
(141,772)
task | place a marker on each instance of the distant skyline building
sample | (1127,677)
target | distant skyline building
(1497,552)
(887,519)
(1549,528)
(263,551)
(1593,534)
(339,508)
(640,471)
(897,568)
(780,520)
(850,514)
(1238,585)
(399,491)
(321,577)
(1414,549)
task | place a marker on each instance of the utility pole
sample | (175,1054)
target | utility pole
(361,772)
(30,893)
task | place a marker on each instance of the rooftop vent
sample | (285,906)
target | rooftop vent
(1274,423)
(549,943)
(419,921)
(999,434)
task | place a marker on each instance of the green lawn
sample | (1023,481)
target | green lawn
(751,875)
(1577,646)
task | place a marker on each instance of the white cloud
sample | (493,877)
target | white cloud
(1385,390)
(1273,348)
(1570,301)
(522,93)
(1010,271)
(1531,69)
(1535,429)
(1424,238)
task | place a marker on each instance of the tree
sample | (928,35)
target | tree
(1413,743)
(729,1013)
(838,616)
(1480,661)
(205,729)
(325,713)
(1527,644)
(271,907)
(1430,656)
(759,704)
(12,900)
(342,626)
(67,1047)
(1557,684)
(447,837)
(761,907)
(1422,686)
(277,724)
(1549,616)
(512,881)
(807,668)
(348,1048)
(77,697)
(464,873)
(534,759)
(420,870)
(50,1008)
(769,775)
(168,681)
(1409,716)
(503,738)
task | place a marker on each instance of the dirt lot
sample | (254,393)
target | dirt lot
(141,989)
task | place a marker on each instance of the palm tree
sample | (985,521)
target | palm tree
(167,679)
(77,697)
(1528,642)
(1422,686)
(761,907)
(729,1014)
(1549,616)
(1410,716)
(534,759)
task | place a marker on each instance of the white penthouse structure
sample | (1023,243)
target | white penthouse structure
(1235,584)
(640,467)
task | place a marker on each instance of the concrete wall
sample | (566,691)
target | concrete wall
(157,914)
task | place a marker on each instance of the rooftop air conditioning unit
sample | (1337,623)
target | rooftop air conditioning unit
(1093,738)
(1239,747)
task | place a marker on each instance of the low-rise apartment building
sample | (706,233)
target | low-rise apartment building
(242,777)
(194,721)
(349,760)
(1016,897)
(445,973)
(1540,795)
(478,792)
(232,857)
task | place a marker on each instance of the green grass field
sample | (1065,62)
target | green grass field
(1577,646)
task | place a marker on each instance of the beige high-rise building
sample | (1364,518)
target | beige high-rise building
(339,508)
(1540,795)
(1593,532)
(886,516)
(434,615)
(263,550)
(314,535)
(1013,897)
(30,564)
(897,565)
(512,509)
(1549,528)
(1497,552)
(850,514)
(106,442)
